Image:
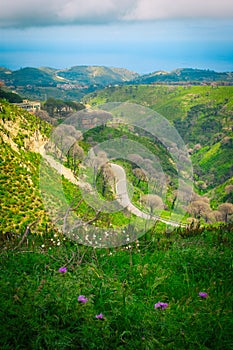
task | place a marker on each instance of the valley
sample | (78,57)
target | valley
(116,212)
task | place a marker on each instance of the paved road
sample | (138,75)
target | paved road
(121,187)
(124,200)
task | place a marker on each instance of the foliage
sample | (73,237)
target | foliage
(59,108)
(10,96)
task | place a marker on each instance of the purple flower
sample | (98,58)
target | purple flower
(203,295)
(100,316)
(160,304)
(62,269)
(82,299)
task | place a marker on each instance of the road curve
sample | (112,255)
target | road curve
(124,200)
(121,187)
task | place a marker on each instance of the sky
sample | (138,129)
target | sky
(141,35)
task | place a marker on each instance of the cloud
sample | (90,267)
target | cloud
(172,9)
(26,13)
(31,13)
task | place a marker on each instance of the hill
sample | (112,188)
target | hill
(66,84)
(186,76)
(201,114)
(20,135)
(96,75)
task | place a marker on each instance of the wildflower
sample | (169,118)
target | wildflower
(203,295)
(62,269)
(82,299)
(100,316)
(160,304)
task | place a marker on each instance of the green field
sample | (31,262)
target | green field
(40,307)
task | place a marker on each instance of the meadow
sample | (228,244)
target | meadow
(164,291)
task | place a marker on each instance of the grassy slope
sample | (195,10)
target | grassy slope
(201,114)
(39,306)
(21,203)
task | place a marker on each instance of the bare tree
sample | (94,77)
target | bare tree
(199,208)
(43,115)
(140,175)
(96,161)
(226,209)
(63,138)
(108,177)
(77,155)
(152,201)
(229,189)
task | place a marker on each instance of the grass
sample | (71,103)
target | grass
(40,310)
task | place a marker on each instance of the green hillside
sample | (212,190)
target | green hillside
(201,114)
(21,202)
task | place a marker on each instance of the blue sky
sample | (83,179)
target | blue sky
(143,36)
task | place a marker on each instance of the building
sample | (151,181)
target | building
(30,106)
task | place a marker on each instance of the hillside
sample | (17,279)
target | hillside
(186,76)
(20,135)
(201,114)
(66,84)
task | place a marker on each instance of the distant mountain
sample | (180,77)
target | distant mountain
(26,76)
(96,75)
(66,84)
(185,75)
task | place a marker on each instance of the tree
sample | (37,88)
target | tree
(226,209)
(140,175)
(108,177)
(62,139)
(43,115)
(229,189)
(77,154)
(152,201)
(200,208)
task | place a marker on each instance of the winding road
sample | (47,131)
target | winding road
(121,187)
(124,200)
